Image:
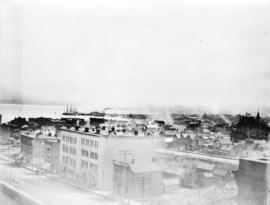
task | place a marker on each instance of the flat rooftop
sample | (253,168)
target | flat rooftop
(81,130)
(37,135)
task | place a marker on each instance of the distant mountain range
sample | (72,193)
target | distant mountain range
(8,96)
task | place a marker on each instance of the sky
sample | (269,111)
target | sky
(135,52)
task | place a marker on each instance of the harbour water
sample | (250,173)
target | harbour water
(10,111)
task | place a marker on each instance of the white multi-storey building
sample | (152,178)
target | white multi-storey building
(86,157)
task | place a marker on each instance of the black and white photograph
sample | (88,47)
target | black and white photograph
(134,102)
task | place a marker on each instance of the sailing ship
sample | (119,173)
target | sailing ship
(70,111)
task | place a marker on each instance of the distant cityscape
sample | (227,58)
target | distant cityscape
(145,158)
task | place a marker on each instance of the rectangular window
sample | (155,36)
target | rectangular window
(82,140)
(91,143)
(82,164)
(75,140)
(92,155)
(64,137)
(87,142)
(96,156)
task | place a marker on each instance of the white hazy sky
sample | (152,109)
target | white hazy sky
(140,52)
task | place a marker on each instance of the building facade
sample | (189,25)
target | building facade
(136,179)
(40,151)
(86,157)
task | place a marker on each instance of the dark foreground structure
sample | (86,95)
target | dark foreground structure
(252,179)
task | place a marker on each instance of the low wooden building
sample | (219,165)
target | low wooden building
(136,180)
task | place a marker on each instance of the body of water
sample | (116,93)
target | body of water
(10,111)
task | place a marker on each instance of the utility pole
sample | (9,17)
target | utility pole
(125,153)
(102,183)
(144,181)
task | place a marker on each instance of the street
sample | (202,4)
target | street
(46,189)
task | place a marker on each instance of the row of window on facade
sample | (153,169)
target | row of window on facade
(92,155)
(85,153)
(68,149)
(87,142)
(84,165)
(72,140)
(67,160)
(90,143)
(66,170)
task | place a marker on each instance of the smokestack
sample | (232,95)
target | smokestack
(77,125)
